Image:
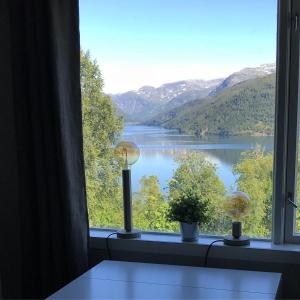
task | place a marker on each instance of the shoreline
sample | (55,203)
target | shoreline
(206,136)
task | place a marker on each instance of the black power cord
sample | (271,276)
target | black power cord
(107,245)
(207,251)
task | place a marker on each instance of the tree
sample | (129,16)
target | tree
(255,171)
(101,128)
(197,174)
(150,206)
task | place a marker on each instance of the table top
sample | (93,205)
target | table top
(131,280)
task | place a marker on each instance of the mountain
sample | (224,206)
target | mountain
(160,104)
(131,103)
(243,75)
(148,101)
(169,91)
(246,108)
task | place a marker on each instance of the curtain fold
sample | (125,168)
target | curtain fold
(45,83)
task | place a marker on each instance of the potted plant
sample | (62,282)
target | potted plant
(191,212)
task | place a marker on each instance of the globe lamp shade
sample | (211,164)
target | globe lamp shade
(128,153)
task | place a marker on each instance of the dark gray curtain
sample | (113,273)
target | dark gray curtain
(43,212)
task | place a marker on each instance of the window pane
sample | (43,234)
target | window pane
(192,83)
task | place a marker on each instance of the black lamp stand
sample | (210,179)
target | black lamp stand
(128,232)
(236,239)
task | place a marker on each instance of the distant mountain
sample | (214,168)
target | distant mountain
(243,75)
(160,104)
(131,103)
(169,91)
(149,101)
(246,108)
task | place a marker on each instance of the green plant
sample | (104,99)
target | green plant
(188,208)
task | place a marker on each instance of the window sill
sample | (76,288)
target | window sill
(171,244)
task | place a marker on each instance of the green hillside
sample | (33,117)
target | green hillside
(244,109)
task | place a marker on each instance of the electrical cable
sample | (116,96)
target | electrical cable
(107,245)
(207,251)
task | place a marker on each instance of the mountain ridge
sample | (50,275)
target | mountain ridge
(147,102)
(244,75)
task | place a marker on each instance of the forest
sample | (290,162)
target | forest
(102,127)
(247,109)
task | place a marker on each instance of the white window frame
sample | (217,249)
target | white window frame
(281,118)
(292,134)
(286,122)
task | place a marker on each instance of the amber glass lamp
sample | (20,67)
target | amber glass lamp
(237,206)
(128,153)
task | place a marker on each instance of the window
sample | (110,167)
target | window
(292,188)
(193,84)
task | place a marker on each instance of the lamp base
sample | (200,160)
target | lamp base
(232,241)
(123,234)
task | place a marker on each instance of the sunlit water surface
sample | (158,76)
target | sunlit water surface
(159,146)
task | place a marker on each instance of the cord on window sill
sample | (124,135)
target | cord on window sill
(107,244)
(206,254)
(208,249)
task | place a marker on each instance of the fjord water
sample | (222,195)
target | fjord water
(159,147)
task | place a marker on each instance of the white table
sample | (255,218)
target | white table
(130,280)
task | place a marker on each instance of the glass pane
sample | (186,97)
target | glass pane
(192,83)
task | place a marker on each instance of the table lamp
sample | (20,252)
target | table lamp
(128,153)
(237,205)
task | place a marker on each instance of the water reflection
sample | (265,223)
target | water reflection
(160,146)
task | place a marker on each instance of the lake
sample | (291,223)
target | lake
(159,147)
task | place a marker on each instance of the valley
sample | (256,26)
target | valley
(241,104)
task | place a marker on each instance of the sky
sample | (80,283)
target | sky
(152,42)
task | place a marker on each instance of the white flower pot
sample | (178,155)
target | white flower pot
(189,232)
